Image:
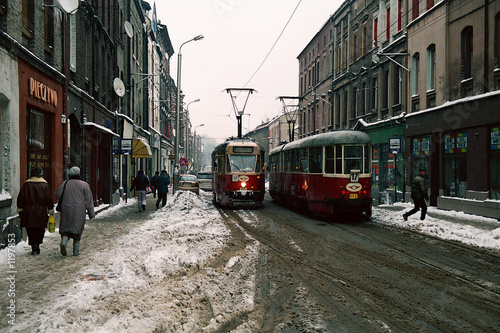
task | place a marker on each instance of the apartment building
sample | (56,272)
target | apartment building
(452,128)
(82,88)
(422,78)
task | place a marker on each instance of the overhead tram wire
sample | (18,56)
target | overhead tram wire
(276,42)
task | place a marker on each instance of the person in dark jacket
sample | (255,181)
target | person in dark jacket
(419,195)
(33,203)
(77,202)
(163,182)
(154,183)
(140,183)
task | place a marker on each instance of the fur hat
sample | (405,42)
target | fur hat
(74,171)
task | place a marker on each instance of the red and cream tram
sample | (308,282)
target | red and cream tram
(238,177)
(325,174)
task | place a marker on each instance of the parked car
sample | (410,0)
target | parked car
(205,180)
(189,183)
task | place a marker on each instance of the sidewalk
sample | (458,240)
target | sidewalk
(460,218)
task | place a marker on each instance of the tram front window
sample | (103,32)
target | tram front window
(242,163)
(353,158)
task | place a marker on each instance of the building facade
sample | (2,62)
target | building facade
(422,79)
(82,88)
(453,127)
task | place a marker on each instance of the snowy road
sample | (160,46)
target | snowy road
(191,267)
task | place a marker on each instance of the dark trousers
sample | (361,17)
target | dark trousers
(35,235)
(419,204)
(163,198)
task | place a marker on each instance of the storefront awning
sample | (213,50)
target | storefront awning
(140,148)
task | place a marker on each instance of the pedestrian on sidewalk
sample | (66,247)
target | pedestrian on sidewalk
(419,195)
(34,201)
(154,183)
(163,182)
(76,203)
(140,183)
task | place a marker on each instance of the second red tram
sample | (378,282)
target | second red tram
(325,174)
(238,173)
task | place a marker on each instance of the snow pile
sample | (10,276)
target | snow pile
(452,225)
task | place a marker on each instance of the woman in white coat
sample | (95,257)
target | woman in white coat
(76,203)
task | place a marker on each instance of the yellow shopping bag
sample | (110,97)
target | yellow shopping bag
(52,224)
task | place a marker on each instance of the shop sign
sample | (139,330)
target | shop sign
(42,92)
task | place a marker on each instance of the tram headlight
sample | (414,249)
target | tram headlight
(243,184)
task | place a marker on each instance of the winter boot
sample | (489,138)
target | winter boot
(63,244)
(35,249)
(143,207)
(76,249)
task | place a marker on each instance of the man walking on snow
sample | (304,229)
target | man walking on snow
(419,195)
(162,183)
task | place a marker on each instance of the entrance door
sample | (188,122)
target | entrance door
(39,143)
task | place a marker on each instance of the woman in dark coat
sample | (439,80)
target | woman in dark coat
(34,202)
(76,203)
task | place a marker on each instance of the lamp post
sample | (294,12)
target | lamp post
(195,149)
(186,128)
(178,113)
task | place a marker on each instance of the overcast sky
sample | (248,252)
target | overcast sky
(239,34)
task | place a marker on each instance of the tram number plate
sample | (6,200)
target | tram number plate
(243,188)
(353,196)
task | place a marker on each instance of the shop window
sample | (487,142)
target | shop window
(420,154)
(495,164)
(455,165)
(39,142)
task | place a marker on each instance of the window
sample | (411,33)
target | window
(414,9)
(388,24)
(354,48)
(3,7)
(363,41)
(49,25)
(375,32)
(467,59)
(455,165)
(316,160)
(375,93)
(431,67)
(496,43)
(300,158)
(329,160)
(416,74)
(495,163)
(420,154)
(28,18)
(398,85)
(385,85)
(39,142)
(400,11)
(430,4)
(353,159)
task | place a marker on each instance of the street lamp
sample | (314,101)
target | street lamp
(178,113)
(186,129)
(194,148)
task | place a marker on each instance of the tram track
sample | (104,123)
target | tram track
(346,270)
